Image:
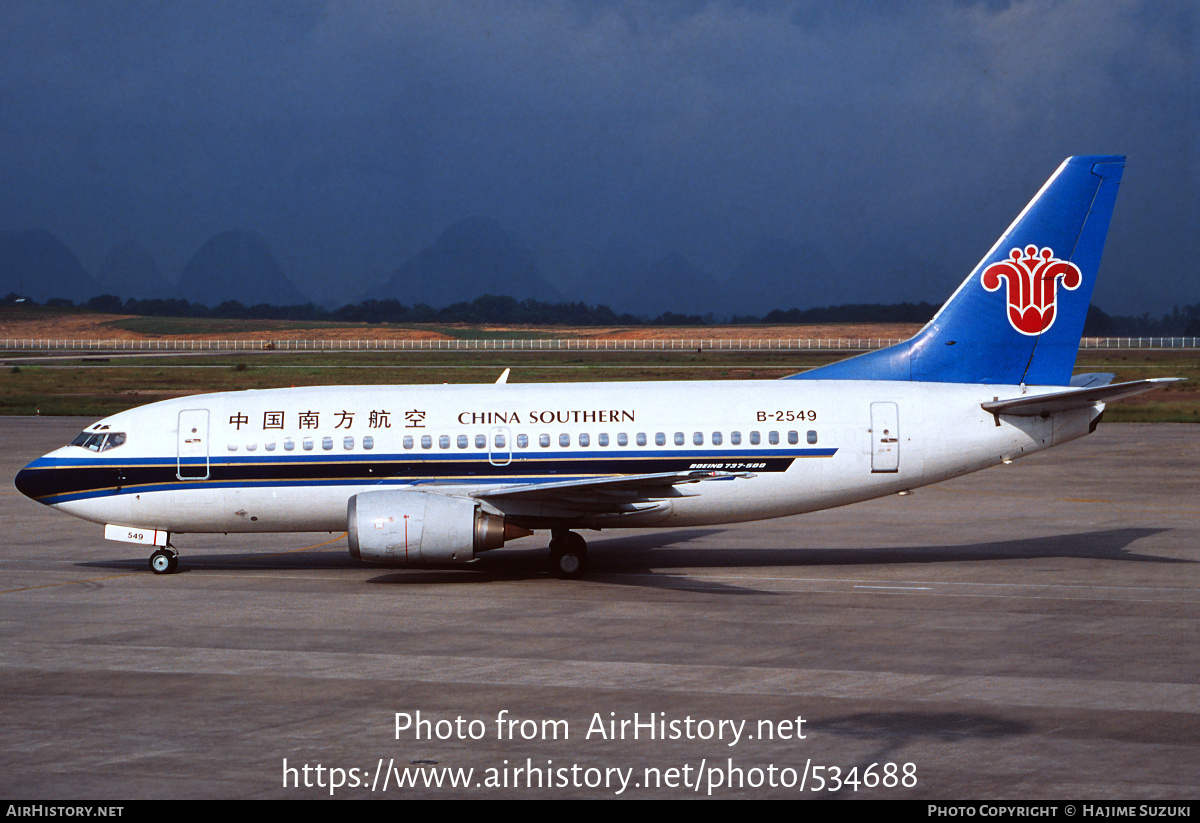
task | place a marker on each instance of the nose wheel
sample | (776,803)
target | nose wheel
(568,555)
(164,561)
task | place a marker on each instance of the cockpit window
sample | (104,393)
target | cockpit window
(99,441)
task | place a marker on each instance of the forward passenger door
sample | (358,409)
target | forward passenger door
(191,462)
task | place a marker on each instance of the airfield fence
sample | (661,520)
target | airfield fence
(533,344)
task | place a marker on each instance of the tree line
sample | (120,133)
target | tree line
(499,309)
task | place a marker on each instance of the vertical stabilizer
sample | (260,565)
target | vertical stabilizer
(1018,317)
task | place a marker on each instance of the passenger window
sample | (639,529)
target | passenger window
(481,441)
(716,438)
(289,444)
(773,437)
(678,438)
(368,442)
(755,439)
(641,438)
(426,441)
(348,443)
(660,439)
(812,437)
(307,444)
(793,438)
(269,446)
(564,440)
(463,441)
(232,447)
(622,439)
(585,440)
(735,438)
(326,443)
(544,441)
(408,442)
(522,441)
(444,441)
(602,439)
(501,442)
(698,439)
(251,447)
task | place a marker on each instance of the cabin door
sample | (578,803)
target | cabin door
(885,437)
(192,453)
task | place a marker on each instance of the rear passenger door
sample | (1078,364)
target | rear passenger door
(885,437)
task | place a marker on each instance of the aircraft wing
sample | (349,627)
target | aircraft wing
(1075,398)
(602,494)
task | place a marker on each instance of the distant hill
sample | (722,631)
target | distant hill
(130,271)
(776,274)
(35,263)
(618,279)
(474,256)
(627,281)
(237,265)
(678,286)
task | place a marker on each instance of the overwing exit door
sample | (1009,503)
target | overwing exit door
(500,446)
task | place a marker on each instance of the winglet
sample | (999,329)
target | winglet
(503,378)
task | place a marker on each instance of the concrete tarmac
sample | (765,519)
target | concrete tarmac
(1027,632)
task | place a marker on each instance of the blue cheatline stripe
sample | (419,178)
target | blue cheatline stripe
(430,454)
(51,482)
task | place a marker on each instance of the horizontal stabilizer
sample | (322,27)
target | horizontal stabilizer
(1080,381)
(1035,405)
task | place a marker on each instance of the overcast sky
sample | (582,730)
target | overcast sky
(351,134)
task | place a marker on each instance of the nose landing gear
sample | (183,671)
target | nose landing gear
(568,554)
(164,561)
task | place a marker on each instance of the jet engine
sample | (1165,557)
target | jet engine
(410,528)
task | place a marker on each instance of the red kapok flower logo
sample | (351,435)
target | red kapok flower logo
(1032,286)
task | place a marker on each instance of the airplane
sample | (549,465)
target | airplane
(438,475)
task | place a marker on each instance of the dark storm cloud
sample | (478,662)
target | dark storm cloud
(894,137)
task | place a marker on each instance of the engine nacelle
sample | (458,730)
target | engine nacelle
(408,528)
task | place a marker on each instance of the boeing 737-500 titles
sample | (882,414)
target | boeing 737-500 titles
(436,475)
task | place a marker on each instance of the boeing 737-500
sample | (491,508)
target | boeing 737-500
(435,475)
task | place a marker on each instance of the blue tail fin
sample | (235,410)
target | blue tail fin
(1019,316)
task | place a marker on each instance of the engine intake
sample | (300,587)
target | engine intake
(407,528)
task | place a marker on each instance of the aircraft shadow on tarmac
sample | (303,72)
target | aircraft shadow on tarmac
(655,555)
(896,730)
(945,727)
(648,559)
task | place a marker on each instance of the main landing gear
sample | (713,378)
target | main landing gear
(568,554)
(164,561)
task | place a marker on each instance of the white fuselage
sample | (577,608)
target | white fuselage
(282,460)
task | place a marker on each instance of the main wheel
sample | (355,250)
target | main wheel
(164,562)
(568,558)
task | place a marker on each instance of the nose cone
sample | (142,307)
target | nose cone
(36,481)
